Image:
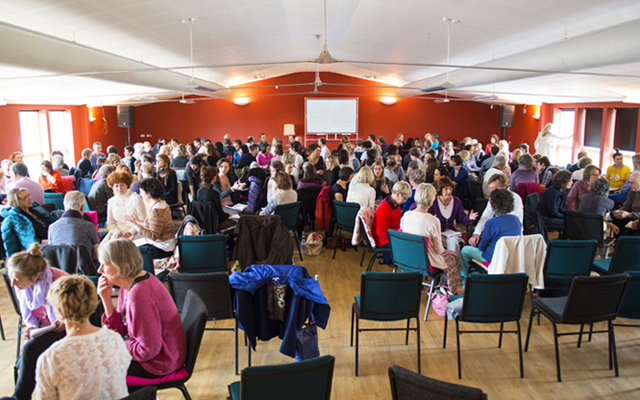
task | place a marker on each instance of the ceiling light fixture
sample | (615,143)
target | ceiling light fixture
(145,98)
(241,101)
(389,101)
(260,77)
(371,76)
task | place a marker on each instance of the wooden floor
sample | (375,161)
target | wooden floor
(495,371)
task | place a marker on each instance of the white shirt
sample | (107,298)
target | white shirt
(427,225)
(92,366)
(325,152)
(362,194)
(488,213)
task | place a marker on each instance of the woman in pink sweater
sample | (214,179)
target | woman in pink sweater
(146,315)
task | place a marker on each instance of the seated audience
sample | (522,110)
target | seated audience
(524,173)
(362,189)
(146,314)
(388,215)
(626,218)
(429,168)
(227,185)
(459,177)
(502,224)
(276,166)
(597,201)
(23,224)
(309,177)
(84,165)
(340,188)
(180,160)
(416,177)
(21,179)
(90,362)
(381,181)
(284,193)
(332,169)
(49,178)
(545,170)
(315,158)
(448,209)
(513,166)
(582,187)
(156,231)
(264,156)
(72,228)
(206,194)
(123,203)
(393,171)
(100,193)
(30,278)
(212,155)
(421,222)
(552,204)
(617,173)
(168,178)
(622,194)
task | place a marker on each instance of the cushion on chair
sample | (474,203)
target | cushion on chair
(234,390)
(174,376)
(602,266)
(553,306)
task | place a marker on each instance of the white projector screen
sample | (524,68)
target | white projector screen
(327,115)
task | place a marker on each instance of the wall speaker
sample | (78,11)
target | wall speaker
(125,116)
(506,116)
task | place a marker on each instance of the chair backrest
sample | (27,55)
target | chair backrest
(146,393)
(366,233)
(288,214)
(194,319)
(55,198)
(308,197)
(582,226)
(309,379)
(12,293)
(386,296)
(203,253)
(625,258)
(408,385)
(213,288)
(630,307)
(479,205)
(147,262)
(409,252)
(567,259)
(494,298)
(533,200)
(346,214)
(84,185)
(594,298)
(475,189)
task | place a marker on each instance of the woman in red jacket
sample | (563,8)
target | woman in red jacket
(50,178)
(388,215)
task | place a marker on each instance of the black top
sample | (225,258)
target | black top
(170,183)
(179,162)
(336,188)
(193,177)
(246,160)
(40,223)
(333,177)
(379,193)
(205,195)
(212,161)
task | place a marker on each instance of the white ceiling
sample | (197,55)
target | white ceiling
(104,52)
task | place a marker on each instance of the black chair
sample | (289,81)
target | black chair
(71,259)
(591,299)
(387,297)
(308,197)
(214,290)
(146,393)
(345,219)
(584,226)
(475,191)
(289,216)
(194,319)
(407,385)
(491,299)
(16,308)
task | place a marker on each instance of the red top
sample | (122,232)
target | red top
(56,186)
(387,217)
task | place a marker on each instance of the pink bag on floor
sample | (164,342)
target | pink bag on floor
(440,300)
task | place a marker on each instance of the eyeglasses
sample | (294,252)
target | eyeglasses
(25,197)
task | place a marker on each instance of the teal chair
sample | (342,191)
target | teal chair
(492,299)
(309,380)
(147,263)
(54,198)
(378,251)
(409,253)
(289,216)
(565,260)
(624,259)
(630,307)
(203,253)
(387,297)
(345,220)
(533,200)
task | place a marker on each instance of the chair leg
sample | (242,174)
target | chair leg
(357,342)
(406,340)
(2,329)
(184,391)
(371,261)
(433,285)
(444,336)
(364,251)
(520,349)
(555,339)
(418,342)
(500,340)
(612,340)
(338,236)
(353,313)
(295,235)
(526,343)
(590,332)
(580,335)
(235,331)
(458,343)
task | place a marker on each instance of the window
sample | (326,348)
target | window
(564,122)
(42,131)
(626,129)
(592,133)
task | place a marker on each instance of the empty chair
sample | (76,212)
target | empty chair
(309,380)
(591,299)
(289,216)
(214,290)
(203,253)
(491,299)
(409,253)
(407,385)
(345,219)
(583,226)
(624,259)
(194,319)
(565,260)
(387,297)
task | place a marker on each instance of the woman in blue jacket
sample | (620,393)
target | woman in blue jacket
(17,230)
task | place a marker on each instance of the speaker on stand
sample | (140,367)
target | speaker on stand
(506,118)
(125,120)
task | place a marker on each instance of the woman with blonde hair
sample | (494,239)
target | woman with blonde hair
(420,222)
(31,276)
(22,224)
(69,368)
(362,189)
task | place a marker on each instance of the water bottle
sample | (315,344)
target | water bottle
(302,243)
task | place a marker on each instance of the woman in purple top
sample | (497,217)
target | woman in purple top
(448,208)
(582,187)
(525,173)
(146,316)
(309,177)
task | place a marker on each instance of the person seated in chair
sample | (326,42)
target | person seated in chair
(626,217)
(503,224)
(206,194)
(388,215)
(90,362)
(72,228)
(552,203)
(525,172)
(284,193)
(146,314)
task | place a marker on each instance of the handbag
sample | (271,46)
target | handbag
(440,300)
(313,244)
(307,343)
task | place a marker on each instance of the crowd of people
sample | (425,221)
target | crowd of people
(418,185)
